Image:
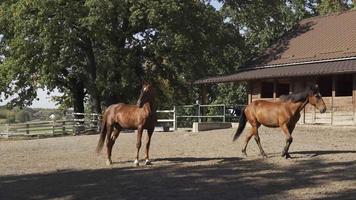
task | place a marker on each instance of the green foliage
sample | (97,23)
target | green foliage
(231,94)
(3,114)
(110,46)
(332,6)
(96,52)
(10,118)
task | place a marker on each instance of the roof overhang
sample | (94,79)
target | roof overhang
(297,70)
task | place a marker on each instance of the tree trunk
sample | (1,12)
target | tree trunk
(96,104)
(78,96)
(92,78)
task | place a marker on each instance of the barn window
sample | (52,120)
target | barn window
(267,90)
(282,88)
(343,85)
(325,86)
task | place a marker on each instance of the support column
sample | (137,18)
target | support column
(274,90)
(354,97)
(291,84)
(333,98)
(204,98)
(249,96)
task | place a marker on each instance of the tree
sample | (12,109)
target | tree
(98,51)
(102,49)
(331,6)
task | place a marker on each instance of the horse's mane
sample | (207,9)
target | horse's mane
(295,97)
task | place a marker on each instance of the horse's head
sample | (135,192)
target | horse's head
(146,95)
(315,99)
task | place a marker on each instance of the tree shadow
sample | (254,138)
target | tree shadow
(197,159)
(229,178)
(323,152)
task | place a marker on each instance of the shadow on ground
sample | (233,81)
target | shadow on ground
(231,178)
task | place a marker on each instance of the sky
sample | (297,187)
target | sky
(216,4)
(45,100)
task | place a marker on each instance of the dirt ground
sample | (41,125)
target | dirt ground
(186,165)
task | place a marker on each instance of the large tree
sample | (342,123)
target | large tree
(102,49)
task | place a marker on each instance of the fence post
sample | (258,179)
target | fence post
(224,119)
(53,129)
(199,119)
(27,128)
(7,130)
(63,127)
(53,117)
(174,118)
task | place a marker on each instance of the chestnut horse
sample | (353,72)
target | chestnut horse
(284,113)
(123,116)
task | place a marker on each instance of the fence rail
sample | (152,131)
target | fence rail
(74,124)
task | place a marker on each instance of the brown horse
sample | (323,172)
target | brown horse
(123,116)
(284,113)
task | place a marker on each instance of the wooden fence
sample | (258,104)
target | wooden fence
(76,123)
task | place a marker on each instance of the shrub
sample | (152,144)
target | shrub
(3,114)
(10,117)
(23,116)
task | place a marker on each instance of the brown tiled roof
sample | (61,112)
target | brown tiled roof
(315,39)
(324,68)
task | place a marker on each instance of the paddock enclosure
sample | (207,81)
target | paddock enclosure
(206,165)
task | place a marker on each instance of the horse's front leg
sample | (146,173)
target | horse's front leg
(148,142)
(138,145)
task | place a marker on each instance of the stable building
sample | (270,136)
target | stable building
(320,50)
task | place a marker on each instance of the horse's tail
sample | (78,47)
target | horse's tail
(102,135)
(242,124)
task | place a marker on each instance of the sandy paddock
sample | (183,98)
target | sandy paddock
(186,165)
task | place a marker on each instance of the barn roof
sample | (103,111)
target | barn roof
(318,46)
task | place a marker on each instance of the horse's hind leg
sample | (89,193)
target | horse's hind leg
(109,144)
(115,134)
(138,145)
(148,142)
(247,139)
(258,141)
(287,131)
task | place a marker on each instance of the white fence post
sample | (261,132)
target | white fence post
(174,118)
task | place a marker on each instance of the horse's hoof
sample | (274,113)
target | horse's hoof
(108,162)
(264,155)
(136,163)
(288,156)
(148,162)
(283,153)
(244,153)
